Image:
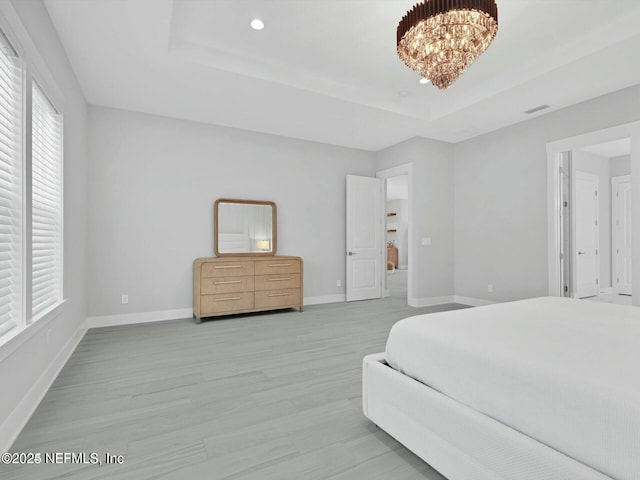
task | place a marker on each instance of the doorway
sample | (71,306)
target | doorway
(397,223)
(592,205)
(397,235)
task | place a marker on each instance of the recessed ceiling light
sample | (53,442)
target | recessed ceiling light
(257,24)
(403,94)
(424,80)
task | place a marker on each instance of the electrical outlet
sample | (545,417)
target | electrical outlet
(125,299)
(490,288)
(338,283)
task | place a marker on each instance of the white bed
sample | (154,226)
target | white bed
(547,388)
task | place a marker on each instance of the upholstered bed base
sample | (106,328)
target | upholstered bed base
(459,442)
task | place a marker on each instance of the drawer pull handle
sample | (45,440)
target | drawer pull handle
(227,282)
(279,295)
(280,265)
(279,279)
(228,266)
(227,299)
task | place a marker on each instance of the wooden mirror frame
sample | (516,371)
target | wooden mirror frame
(274,228)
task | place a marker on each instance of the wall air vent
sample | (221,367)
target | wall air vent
(536,109)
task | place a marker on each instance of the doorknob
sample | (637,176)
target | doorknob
(351,253)
(581,253)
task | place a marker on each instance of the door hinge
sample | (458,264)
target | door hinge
(596,193)
(566,289)
(596,281)
(596,251)
(566,204)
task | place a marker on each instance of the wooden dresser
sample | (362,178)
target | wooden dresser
(227,285)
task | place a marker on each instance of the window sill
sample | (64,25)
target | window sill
(16,337)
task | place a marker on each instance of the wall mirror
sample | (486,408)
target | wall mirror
(244,227)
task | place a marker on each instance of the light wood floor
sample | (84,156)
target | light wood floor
(265,396)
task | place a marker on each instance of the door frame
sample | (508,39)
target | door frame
(615,235)
(404,169)
(554,151)
(566,223)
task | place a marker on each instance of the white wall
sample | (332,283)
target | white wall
(153,181)
(431,194)
(600,166)
(501,197)
(33,361)
(620,166)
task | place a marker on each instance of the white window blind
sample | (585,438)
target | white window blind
(46,191)
(10,187)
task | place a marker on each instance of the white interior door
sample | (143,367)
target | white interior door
(586,233)
(621,217)
(364,237)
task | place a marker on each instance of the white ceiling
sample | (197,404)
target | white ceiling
(327,70)
(615,148)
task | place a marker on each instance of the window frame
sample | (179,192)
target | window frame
(34,69)
(20,300)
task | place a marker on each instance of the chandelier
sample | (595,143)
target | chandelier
(439,39)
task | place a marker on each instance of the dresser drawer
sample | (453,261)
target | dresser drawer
(277,266)
(277,282)
(278,298)
(226,302)
(226,269)
(213,285)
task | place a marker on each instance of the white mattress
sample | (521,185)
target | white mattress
(564,372)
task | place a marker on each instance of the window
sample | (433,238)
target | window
(10,187)
(46,193)
(33,174)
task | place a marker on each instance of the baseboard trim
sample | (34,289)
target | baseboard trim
(140,317)
(472,302)
(341,297)
(165,315)
(430,301)
(176,314)
(16,421)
